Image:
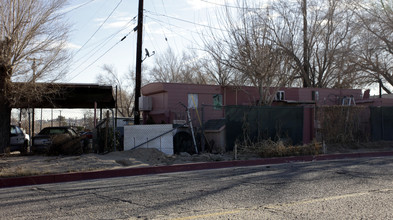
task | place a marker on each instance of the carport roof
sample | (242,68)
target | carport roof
(77,96)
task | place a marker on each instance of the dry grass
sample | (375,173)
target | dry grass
(343,124)
(269,148)
(22,171)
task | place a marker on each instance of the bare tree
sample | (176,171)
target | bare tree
(320,44)
(216,72)
(125,86)
(376,43)
(171,68)
(245,48)
(32,42)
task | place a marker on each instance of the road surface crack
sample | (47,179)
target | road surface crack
(113,199)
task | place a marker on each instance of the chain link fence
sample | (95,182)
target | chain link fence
(101,131)
(216,129)
(34,120)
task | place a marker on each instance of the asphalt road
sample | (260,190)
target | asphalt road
(340,189)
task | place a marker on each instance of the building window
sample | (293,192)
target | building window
(217,101)
(280,95)
(193,101)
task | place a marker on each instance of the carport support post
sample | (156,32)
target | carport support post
(106,130)
(95,114)
(114,130)
(32,122)
(20,118)
(203,129)
(115,108)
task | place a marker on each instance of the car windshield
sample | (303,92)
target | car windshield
(53,131)
(13,130)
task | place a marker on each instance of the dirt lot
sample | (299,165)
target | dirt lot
(16,165)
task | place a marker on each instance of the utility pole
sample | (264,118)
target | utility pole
(138,70)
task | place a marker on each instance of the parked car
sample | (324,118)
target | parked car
(19,140)
(57,140)
(87,137)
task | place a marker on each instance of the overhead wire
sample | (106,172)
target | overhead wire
(180,27)
(152,41)
(177,33)
(155,47)
(162,28)
(163,6)
(79,6)
(160,21)
(98,28)
(229,6)
(105,41)
(186,21)
(101,56)
(100,46)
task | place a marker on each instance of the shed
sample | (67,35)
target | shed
(214,130)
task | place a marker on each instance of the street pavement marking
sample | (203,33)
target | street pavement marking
(208,215)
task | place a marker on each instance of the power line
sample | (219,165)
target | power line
(186,21)
(229,6)
(213,3)
(101,45)
(159,21)
(163,5)
(189,30)
(162,29)
(80,6)
(98,28)
(101,56)
(107,39)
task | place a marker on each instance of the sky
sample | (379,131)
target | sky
(98,26)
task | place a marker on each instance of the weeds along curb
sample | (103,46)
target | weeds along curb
(89,175)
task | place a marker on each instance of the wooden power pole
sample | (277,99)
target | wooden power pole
(138,71)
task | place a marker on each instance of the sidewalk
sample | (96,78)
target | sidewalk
(67,177)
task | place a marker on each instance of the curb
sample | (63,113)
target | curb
(89,175)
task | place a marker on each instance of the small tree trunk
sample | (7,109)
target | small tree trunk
(5,120)
(5,108)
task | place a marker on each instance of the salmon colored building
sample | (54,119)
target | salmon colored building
(167,102)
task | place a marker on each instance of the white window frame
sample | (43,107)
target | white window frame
(192,100)
(280,96)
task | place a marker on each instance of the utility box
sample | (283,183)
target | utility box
(215,135)
(145,103)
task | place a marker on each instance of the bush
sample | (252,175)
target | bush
(108,147)
(65,145)
(269,148)
(343,124)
